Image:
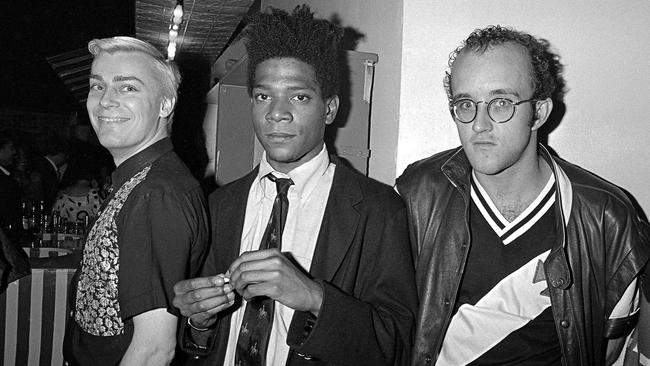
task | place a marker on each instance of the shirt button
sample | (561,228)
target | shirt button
(564,324)
(447,302)
(427,358)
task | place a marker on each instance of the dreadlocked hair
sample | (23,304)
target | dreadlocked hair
(546,74)
(299,36)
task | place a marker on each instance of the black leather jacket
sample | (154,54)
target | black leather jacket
(601,247)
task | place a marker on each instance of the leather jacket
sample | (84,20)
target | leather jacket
(601,247)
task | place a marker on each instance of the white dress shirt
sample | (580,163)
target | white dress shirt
(307,200)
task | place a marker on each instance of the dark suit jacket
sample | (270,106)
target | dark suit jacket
(363,260)
(49,180)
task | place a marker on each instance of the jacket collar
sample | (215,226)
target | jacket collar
(339,224)
(562,184)
(458,170)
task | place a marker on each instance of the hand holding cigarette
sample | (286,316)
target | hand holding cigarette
(202,298)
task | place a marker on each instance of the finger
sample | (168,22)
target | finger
(200,318)
(254,255)
(275,261)
(209,306)
(248,278)
(196,283)
(186,299)
(269,289)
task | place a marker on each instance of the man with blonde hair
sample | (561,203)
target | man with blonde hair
(152,229)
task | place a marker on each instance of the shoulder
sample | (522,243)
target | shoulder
(233,190)
(591,189)
(169,175)
(349,183)
(426,171)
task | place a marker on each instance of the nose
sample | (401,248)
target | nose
(108,99)
(279,111)
(482,121)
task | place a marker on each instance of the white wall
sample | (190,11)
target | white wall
(381,23)
(605,47)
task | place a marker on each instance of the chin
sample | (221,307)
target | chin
(486,167)
(280,157)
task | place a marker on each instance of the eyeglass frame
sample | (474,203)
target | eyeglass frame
(476,103)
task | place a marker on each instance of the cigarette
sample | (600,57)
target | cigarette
(226,280)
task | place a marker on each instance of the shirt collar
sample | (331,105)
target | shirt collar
(305,177)
(137,162)
(4,170)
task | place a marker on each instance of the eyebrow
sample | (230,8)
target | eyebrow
(118,78)
(492,93)
(127,78)
(290,87)
(505,91)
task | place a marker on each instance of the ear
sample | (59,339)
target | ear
(543,110)
(167,107)
(332,105)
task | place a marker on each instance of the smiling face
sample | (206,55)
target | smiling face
(125,104)
(501,71)
(289,112)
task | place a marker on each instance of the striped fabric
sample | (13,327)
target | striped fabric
(32,318)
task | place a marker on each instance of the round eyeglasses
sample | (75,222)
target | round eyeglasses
(500,110)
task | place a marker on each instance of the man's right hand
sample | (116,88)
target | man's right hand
(202,298)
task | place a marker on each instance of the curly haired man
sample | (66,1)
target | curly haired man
(336,286)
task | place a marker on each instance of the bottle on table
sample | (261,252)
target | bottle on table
(56,225)
(33,218)
(46,230)
(25,215)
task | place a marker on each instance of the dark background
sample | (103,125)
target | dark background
(35,30)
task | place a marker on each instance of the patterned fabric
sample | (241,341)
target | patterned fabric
(97,307)
(76,208)
(258,317)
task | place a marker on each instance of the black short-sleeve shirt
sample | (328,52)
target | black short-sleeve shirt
(151,233)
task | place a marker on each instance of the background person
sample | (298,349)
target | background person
(78,199)
(48,167)
(9,188)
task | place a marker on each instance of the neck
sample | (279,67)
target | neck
(513,190)
(122,155)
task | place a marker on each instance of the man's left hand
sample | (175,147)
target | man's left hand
(269,273)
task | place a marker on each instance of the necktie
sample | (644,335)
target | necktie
(258,316)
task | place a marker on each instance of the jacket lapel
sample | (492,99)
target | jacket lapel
(339,225)
(234,206)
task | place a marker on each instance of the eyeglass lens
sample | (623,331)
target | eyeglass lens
(499,109)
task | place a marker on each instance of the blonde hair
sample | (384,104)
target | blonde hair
(170,77)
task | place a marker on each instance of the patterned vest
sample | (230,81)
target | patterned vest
(97,309)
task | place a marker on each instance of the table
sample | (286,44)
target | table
(33,313)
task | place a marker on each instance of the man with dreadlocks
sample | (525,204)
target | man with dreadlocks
(334,283)
(524,258)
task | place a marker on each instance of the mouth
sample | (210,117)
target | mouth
(279,137)
(483,143)
(108,119)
